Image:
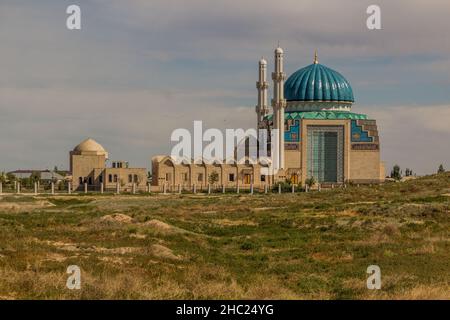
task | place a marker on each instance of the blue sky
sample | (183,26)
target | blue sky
(139,69)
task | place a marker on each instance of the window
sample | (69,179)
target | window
(136,178)
(100,178)
(200,177)
(167,176)
(263,178)
(130,178)
(80,180)
(231,177)
(110,178)
(184,176)
(90,180)
(115,178)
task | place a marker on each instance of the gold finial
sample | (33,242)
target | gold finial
(316,59)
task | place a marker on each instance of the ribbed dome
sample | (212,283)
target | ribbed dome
(317,82)
(89,145)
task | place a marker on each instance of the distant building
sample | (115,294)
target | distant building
(88,165)
(45,175)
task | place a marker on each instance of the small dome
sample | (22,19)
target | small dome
(317,82)
(89,145)
(263,61)
(279,50)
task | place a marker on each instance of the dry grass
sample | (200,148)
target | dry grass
(302,246)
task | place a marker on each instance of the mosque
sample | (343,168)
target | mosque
(321,137)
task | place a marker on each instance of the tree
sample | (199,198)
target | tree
(213,177)
(2,177)
(310,182)
(35,176)
(10,177)
(396,172)
(408,172)
(441,169)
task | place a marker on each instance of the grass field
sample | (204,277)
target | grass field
(303,246)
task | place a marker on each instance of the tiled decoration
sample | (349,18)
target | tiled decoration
(360,133)
(292,131)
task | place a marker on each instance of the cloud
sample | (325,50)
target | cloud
(413,136)
(140,68)
(130,125)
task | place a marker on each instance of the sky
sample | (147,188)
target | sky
(139,69)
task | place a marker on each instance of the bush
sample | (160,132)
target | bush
(285,187)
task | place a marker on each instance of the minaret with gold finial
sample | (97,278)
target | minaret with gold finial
(316,59)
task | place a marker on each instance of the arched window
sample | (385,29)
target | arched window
(135,178)
(115,178)
(90,181)
(130,178)
(80,180)
(110,178)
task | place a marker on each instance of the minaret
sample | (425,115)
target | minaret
(262,85)
(278,102)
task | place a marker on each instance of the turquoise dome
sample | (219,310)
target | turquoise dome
(317,82)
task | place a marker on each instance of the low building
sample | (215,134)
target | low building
(88,165)
(44,175)
(167,170)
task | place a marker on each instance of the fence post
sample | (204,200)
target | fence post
(251,188)
(102,188)
(293,188)
(35,189)
(265,188)
(165,188)
(195,188)
(18,187)
(117,188)
(85,187)
(1,188)
(69,188)
(306,188)
(320,187)
(53,188)
(237,188)
(279,188)
(209,188)
(179,188)
(133,188)
(223,188)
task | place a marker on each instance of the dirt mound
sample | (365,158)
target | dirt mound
(164,252)
(117,217)
(161,226)
(21,206)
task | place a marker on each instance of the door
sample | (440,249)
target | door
(325,153)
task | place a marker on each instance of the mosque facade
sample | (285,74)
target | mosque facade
(320,135)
